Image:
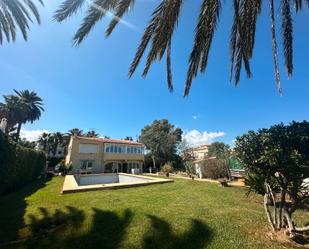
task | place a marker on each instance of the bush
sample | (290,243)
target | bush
(18,165)
(214,168)
(167,168)
(190,167)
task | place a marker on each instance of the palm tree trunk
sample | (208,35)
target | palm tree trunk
(18,131)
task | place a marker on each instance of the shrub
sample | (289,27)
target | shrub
(167,168)
(214,168)
(18,165)
(190,167)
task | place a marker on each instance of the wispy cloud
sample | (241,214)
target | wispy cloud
(196,138)
(32,135)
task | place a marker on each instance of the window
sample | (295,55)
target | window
(107,148)
(86,164)
(112,149)
(135,150)
(128,150)
(88,148)
(119,149)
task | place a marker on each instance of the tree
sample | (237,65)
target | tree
(185,151)
(277,162)
(159,32)
(44,140)
(161,138)
(31,105)
(219,150)
(27,144)
(129,138)
(76,131)
(16,14)
(55,140)
(92,133)
(23,106)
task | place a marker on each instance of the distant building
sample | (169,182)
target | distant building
(104,155)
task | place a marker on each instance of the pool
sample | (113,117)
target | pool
(80,183)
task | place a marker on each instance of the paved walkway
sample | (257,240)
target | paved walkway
(234,183)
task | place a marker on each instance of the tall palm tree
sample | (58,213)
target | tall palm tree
(92,133)
(159,32)
(17,14)
(31,105)
(76,131)
(55,140)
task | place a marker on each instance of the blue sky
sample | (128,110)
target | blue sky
(87,86)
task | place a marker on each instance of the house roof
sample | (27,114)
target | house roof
(108,140)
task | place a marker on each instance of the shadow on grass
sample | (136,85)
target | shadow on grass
(107,231)
(161,236)
(53,222)
(12,210)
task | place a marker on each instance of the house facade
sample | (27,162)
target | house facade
(102,155)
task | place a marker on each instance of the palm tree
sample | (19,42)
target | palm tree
(92,133)
(44,140)
(159,32)
(76,131)
(56,139)
(16,14)
(31,105)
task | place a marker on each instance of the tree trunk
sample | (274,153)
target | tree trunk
(281,206)
(268,212)
(290,224)
(18,131)
(153,161)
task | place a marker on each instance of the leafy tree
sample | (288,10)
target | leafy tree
(161,138)
(160,29)
(219,150)
(76,131)
(92,133)
(277,162)
(17,14)
(129,138)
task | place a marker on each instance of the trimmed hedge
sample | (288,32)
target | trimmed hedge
(18,165)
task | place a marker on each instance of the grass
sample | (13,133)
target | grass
(183,214)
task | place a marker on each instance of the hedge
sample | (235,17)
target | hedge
(18,165)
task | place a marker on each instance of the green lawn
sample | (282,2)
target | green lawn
(183,214)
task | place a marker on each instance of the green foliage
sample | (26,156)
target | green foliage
(214,168)
(234,163)
(281,149)
(277,162)
(19,165)
(167,168)
(219,150)
(190,167)
(161,138)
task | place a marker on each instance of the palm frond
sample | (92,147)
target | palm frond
(169,68)
(96,11)
(204,32)
(274,45)
(287,34)
(122,7)
(167,19)
(67,9)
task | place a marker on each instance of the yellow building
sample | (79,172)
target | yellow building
(200,152)
(102,155)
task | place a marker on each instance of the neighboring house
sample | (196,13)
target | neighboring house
(103,155)
(198,153)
